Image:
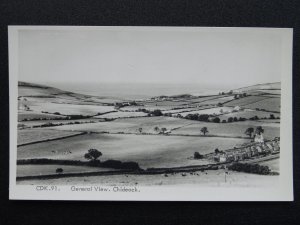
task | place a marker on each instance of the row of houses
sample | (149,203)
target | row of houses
(248,152)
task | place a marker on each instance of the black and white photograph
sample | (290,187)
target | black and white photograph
(150,113)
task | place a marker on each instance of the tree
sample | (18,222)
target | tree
(230,119)
(217,151)
(259,130)
(249,131)
(156,129)
(92,154)
(204,130)
(216,120)
(272,116)
(157,112)
(140,130)
(163,130)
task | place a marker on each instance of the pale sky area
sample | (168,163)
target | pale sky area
(233,59)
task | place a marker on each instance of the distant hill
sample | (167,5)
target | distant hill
(37,90)
(257,87)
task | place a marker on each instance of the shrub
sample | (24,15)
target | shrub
(216,120)
(59,170)
(157,112)
(230,120)
(197,155)
(93,154)
(250,168)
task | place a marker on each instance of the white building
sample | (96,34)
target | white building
(259,138)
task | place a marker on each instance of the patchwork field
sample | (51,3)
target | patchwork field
(270,104)
(130,125)
(135,136)
(147,150)
(245,101)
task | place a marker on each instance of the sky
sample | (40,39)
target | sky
(177,56)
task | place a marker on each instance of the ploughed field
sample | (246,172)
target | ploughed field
(147,150)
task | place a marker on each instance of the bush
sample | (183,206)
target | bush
(230,120)
(157,112)
(250,168)
(216,120)
(116,164)
(59,170)
(93,154)
(272,116)
(197,155)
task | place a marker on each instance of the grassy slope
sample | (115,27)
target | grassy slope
(147,150)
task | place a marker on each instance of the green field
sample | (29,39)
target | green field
(70,109)
(41,134)
(236,129)
(22,115)
(130,125)
(270,104)
(147,150)
(210,111)
(248,114)
(245,101)
(34,170)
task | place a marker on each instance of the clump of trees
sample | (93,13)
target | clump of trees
(199,117)
(156,112)
(259,130)
(93,155)
(197,155)
(249,131)
(250,168)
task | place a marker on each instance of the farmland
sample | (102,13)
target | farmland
(249,114)
(129,125)
(57,124)
(147,150)
(32,135)
(228,129)
(33,170)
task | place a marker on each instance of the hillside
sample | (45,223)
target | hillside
(260,87)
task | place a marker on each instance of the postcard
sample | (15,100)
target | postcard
(150,113)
